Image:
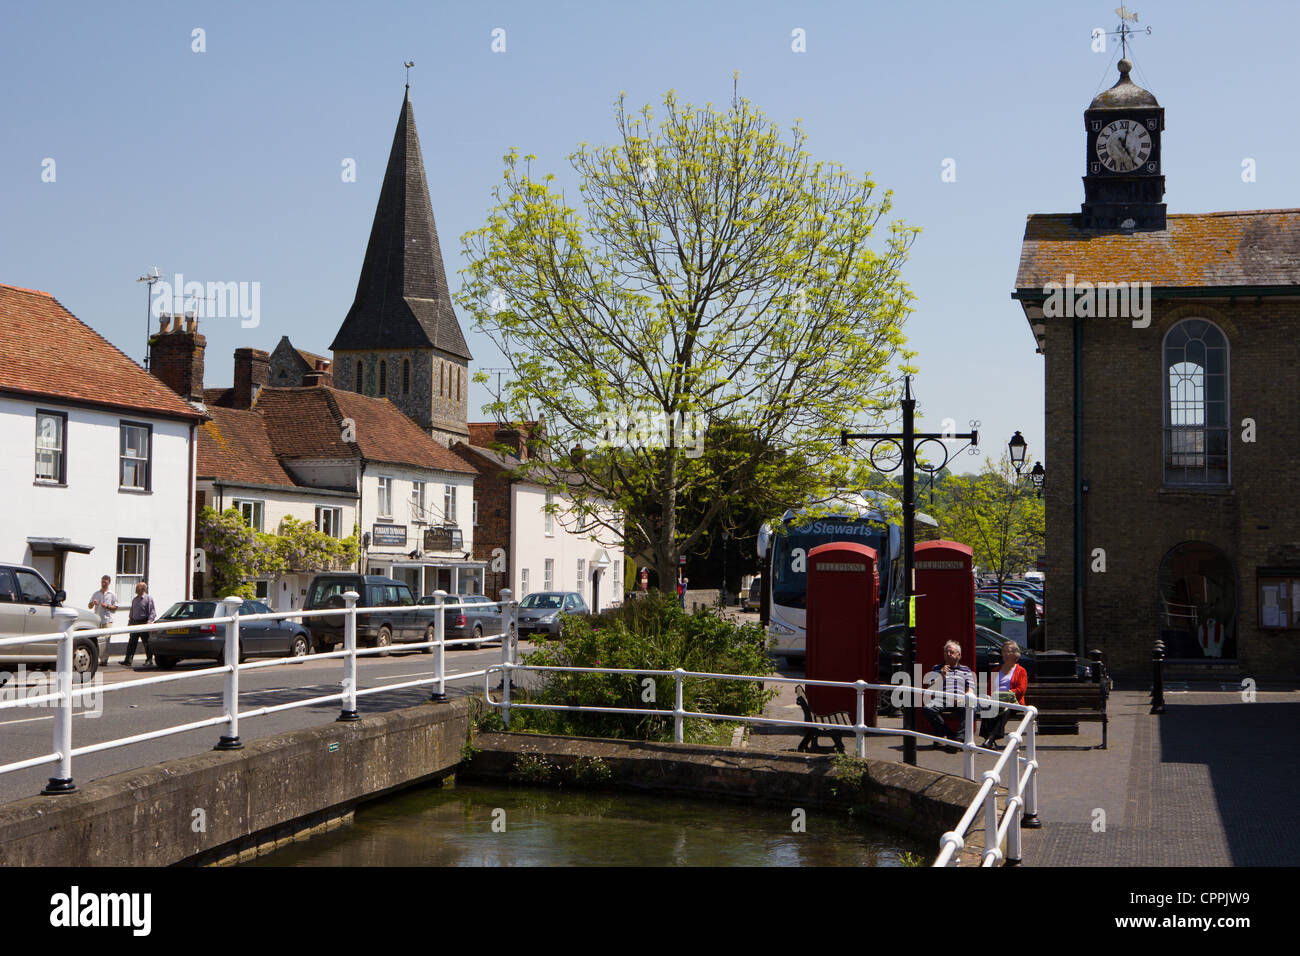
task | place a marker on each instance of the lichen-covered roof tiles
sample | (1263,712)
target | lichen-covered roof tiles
(1259,248)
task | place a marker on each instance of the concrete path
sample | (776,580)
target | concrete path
(1211,782)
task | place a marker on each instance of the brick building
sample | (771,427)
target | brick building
(1172,349)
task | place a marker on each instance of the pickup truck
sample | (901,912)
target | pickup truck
(398,620)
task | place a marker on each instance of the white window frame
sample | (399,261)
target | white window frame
(125,581)
(548,575)
(582,578)
(334,523)
(449,505)
(418,499)
(143,464)
(549,518)
(54,452)
(385,509)
(255,516)
(523,583)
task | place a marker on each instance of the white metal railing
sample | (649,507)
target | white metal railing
(1022,788)
(65,693)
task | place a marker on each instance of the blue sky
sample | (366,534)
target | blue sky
(225,165)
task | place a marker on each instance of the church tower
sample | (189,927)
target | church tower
(401,339)
(1125,184)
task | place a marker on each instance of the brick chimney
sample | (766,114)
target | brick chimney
(320,375)
(176,356)
(252,371)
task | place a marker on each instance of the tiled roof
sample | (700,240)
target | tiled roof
(47,351)
(308,423)
(1257,248)
(219,396)
(402,298)
(235,447)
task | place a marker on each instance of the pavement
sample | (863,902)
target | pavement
(1211,782)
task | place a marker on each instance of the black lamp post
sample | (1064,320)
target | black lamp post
(1038,476)
(1017,447)
(907,445)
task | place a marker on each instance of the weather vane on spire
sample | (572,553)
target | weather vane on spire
(408,64)
(1124,31)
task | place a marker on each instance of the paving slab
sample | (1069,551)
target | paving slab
(1211,782)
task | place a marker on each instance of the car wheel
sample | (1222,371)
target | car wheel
(301,646)
(221,655)
(430,634)
(85,659)
(164,663)
(385,639)
(478,635)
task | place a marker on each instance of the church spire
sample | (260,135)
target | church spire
(402,299)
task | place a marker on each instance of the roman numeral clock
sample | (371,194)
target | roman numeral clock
(1124,185)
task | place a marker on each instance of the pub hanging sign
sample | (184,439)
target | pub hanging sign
(388,536)
(443,539)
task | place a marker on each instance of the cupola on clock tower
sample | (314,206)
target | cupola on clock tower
(1124,184)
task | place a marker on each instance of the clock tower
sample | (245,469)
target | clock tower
(1124,184)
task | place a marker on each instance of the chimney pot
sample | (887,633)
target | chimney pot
(165,325)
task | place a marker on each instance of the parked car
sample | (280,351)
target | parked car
(541,611)
(1006,599)
(989,613)
(480,617)
(399,621)
(27,604)
(282,638)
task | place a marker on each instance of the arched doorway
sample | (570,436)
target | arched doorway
(1198,602)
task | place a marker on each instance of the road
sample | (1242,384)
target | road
(26,732)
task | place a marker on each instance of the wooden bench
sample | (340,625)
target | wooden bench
(810,738)
(1062,705)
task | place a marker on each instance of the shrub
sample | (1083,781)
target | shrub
(651,633)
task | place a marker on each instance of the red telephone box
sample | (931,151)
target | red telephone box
(843,625)
(945,603)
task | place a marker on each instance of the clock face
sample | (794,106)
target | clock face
(1123,145)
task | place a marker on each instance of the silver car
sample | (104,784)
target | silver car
(540,612)
(27,605)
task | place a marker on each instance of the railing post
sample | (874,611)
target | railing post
(230,740)
(439,652)
(679,728)
(1016,802)
(1030,820)
(1158,678)
(968,735)
(858,733)
(991,818)
(349,711)
(509,622)
(64,616)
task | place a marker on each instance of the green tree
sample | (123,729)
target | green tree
(998,516)
(301,547)
(717,282)
(236,554)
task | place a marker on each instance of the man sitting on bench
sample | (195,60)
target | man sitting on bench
(955,678)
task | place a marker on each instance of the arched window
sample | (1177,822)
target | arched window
(458,385)
(442,377)
(360,382)
(1195,386)
(383,377)
(406,376)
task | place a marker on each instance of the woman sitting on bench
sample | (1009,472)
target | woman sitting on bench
(1012,683)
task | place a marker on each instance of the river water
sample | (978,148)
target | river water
(473,825)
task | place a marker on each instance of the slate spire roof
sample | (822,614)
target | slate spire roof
(402,299)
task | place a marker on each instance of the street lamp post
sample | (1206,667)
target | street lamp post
(907,445)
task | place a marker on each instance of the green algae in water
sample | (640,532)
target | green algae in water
(437,826)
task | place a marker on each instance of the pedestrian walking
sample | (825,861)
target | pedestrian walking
(104,602)
(142,612)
